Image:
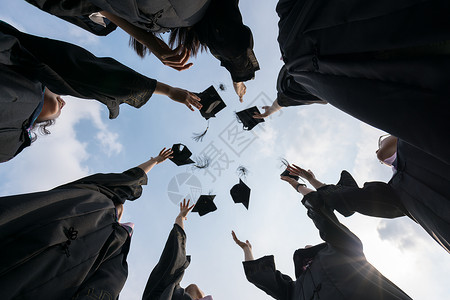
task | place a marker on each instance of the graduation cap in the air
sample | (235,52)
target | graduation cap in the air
(181,155)
(246,117)
(240,193)
(286,173)
(211,102)
(205,204)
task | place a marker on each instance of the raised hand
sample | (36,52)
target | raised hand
(240,90)
(163,155)
(175,58)
(240,243)
(267,112)
(289,179)
(185,209)
(183,96)
(298,171)
(246,247)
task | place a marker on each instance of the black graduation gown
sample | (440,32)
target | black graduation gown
(164,281)
(419,189)
(27,63)
(333,270)
(386,63)
(65,243)
(221,29)
(228,39)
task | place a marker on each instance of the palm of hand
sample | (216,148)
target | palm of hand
(241,243)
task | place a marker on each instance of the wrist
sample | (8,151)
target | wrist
(153,160)
(162,88)
(299,185)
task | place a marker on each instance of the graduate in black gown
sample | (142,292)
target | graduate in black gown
(35,70)
(386,63)
(194,24)
(164,280)
(67,243)
(336,269)
(419,189)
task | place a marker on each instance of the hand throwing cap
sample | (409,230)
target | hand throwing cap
(181,155)
(211,103)
(246,117)
(240,193)
(205,204)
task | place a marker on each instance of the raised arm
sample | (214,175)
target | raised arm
(168,273)
(153,161)
(263,274)
(120,187)
(298,187)
(308,175)
(268,110)
(184,210)
(246,247)
(330,229)
(179,95)
(176,58)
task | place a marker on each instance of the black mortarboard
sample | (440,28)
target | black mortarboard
(246,117)
(240,193)
(286,173)
(211,103)
(181,155)
(205,204)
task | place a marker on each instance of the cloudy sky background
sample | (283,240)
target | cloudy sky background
(84,141)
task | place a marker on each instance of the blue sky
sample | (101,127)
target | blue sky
(319,137)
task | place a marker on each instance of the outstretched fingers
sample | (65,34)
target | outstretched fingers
(193,100)
(238,241)
(166,153)
(263,115)
(295,170)
(177,58)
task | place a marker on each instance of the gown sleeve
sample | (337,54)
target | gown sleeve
(75,12)
(375,198)
(331,230)
(262,273)
(228,39)
(164,281)
(67,69)
(119,187)
(291,93)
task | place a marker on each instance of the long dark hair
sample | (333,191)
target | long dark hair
(41,128)
(185,36)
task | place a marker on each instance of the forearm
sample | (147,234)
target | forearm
(179,220)
(274,107)
(248,254)
(300,188)
(162,89)
(315,183)
(144,37)
(148,165)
